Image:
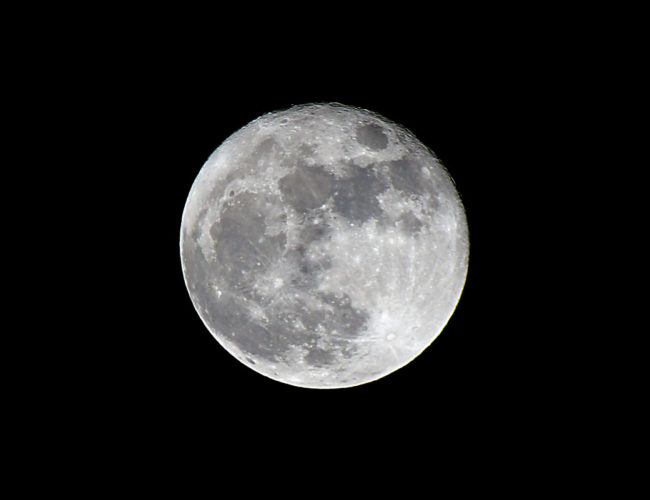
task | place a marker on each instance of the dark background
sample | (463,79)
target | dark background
(116,383)
(480,104)
(121,107)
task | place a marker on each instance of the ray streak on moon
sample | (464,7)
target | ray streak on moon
(324,246)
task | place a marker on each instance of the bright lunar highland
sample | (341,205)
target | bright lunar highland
(324,246)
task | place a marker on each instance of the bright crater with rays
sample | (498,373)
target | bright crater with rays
(324,246)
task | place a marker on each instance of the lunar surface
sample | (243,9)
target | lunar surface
(324,246)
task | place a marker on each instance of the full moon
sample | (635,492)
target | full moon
(324,246)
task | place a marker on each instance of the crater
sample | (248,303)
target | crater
(372,136)
(314,228)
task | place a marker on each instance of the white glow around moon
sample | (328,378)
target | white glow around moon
(324,246)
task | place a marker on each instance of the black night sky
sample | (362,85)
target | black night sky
(477,104)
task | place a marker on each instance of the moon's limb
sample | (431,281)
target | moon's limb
(324,246)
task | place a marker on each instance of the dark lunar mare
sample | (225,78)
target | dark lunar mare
(372,136)
(355,196)
(242,248)
(406,175)
(243,253)
(306,188)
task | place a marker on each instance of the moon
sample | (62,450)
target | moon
(324,246)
